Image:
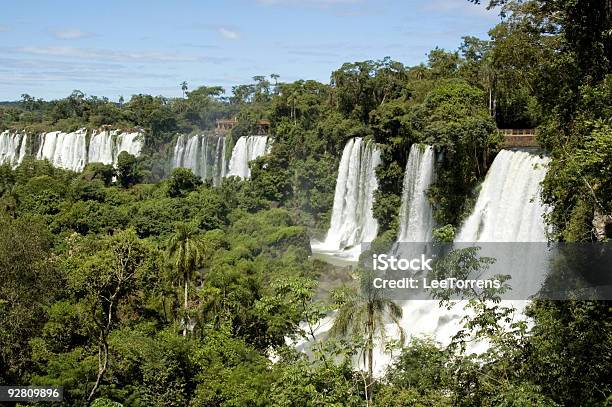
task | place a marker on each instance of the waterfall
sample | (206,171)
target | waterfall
(246,149)
(508,208)
(186,153)
(224,158)
(130,142)
(416,221)
(203,154)
(352,221)
(70,150)
(64,150)
(12,148)
(23,149)
(219,164)
(101,147)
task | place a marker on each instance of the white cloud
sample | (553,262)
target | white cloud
(319,3)
(4,28)
(101,54)
(229,34)
(105,54)
(71,34)
(341,8)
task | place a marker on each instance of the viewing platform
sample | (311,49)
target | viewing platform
(519,138)
(225,125)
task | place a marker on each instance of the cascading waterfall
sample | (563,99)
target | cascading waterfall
(223,163)
(352,221)
(508,208)
(416,220)
(246,150)
(23,149)
(101,147)
(12,147)
(64,150)
(204,155)
(129,142)
(70,150)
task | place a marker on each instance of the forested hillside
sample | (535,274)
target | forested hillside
(143,285)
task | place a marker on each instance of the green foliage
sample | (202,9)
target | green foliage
(89,302)
(103,172)
(230,373)
(128,173)
(30,282)
(362,316)
(459,126)
(185,251)
(445,233)
(569,350)
(361,86)
(582,185)
(86,217)
(103,402)
(418,377)
(182,180)
(385,209)
(304,384)
(157,366)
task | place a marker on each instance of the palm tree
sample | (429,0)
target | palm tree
(364,314)
(275,76)
(184,87)
(292,99)
(186,250)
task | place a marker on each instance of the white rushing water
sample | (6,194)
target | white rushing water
(129,142)
(64,150)
(23,149)
(101,147)
(509,208)
(246,150)
(203,154)
(12,147)
(416,220)
(70,150)
(352,221)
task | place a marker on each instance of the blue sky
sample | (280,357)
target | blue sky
(112,48)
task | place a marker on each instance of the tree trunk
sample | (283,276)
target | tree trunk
(102,366)
(365,389)
(185,307)
(370,369)
(370,351)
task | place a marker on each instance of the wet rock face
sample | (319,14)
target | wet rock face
(602,226)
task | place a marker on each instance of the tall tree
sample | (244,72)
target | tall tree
(184,88)
(365,315)
(103,273)
(186,250)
